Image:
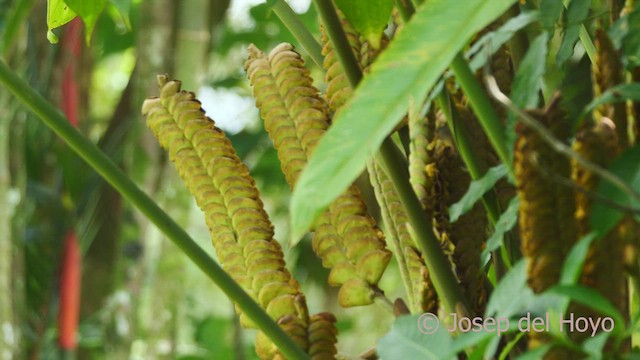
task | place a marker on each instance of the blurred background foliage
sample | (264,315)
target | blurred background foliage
(141,297)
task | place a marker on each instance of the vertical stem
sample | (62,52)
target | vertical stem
(406,9)
(482,107)
(442,275)
(335,31)
(114,176)
(297,28)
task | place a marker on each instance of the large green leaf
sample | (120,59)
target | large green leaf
(58,14)
(603,217)
(405,71)
(89,11)
(369,17)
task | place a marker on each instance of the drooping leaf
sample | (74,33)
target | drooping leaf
(593,299)
(576,14)
(603,217)
(528,80)
(510,293)
(550,11)
(575,259)
(408,68)
(407,341)
(89,11)
(537,353)
(615,94)
(124,7)
(58,14)
(594,346)
(495,39)
(369,17)
(506,222)
(476,190)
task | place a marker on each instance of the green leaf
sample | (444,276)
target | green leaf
(511,293)
(407,69)
(603,217)
(89,11)
(58,14)
(550,11)
(577,13)
(368,17)
(495,39)
(406,341)
(575,259)
(535,354)
(594,346)
(616,94)
(124,8)
(476,190)
(506,222)
(592,299)
(526,85)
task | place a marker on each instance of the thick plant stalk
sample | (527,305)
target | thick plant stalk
(346,237)
(420,290)
(609,72)
(546,214)
(240,229)
(468,234)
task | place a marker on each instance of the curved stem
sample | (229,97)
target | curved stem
(114,176)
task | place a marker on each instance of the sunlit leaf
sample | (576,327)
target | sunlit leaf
(407,69)
(89,11)
(592,299)
(58,14)
(124,7)
(369,17)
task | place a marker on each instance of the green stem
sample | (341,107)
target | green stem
(483,108)
(342,48)
(439,267)
(406,9)
(114,176)
(297,28)
(477,168)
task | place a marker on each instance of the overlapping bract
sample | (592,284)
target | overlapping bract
(546,214)
(415,274)
(467,235)
(346,237)
(240,228)
(607,73)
